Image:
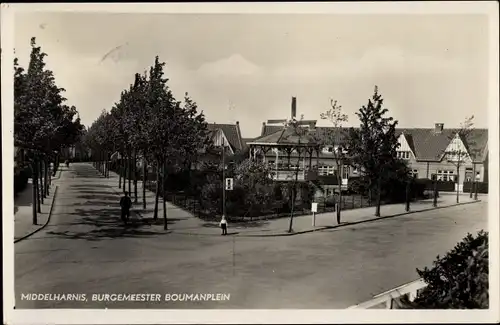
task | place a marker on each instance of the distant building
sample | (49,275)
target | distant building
(425,149)
(219,134)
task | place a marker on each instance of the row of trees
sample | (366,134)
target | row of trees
(149,125)
(43,124)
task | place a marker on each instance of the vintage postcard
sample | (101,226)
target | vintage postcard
(250,162)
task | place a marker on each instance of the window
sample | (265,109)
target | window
(414,173)
(327,149)
(345,172)
(445,175)
(326,170)
(468,174)
(403,155)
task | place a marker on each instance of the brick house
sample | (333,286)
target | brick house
(428,153)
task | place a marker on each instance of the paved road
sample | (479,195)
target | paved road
(87,250)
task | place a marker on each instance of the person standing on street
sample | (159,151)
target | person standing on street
(125,204)
(223,225)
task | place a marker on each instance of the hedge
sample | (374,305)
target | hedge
(482,187)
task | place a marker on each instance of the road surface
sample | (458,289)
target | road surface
(86,250)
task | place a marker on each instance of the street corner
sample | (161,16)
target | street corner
(24,227)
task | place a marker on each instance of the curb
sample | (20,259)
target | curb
(56,178)
(355,222)
(45,224)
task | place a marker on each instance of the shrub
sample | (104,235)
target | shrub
(458,280)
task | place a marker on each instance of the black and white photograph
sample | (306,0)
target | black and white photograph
(224,160)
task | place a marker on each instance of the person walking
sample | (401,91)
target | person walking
(125,204)
(223,226)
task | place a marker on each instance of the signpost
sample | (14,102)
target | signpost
(314,209)
(229,184)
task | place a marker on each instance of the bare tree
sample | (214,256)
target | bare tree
(458,155)
(335,137)
(300,133)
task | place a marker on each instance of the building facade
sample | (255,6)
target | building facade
(430,153)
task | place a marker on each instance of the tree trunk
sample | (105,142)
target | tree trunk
(339,180)
(129,173)
(157,194)
(33,191)
(379,196)
(106,165)
(120,171)
(407,207)
(50,174)
(294,195)
(40,180)
(458,182)
(144,179)
(135,176)
(165,221)
(56,159)
(46,176)
(124,173)
(38,194)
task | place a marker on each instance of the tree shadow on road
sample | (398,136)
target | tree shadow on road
(105,224)
(95,192)
(102,197)
(234,224)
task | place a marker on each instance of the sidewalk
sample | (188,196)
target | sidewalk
(23,212)
(178,220)
(183,222)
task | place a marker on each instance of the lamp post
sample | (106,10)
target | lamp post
(477,178)
(407,208)
(434,201)
(223,181)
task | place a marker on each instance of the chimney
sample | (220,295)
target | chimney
(294,107)
(438,127)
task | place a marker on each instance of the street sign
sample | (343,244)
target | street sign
(314,209)
(229,184)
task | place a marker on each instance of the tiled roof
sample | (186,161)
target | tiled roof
(427,144)
(232,133)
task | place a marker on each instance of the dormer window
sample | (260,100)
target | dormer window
(403,155)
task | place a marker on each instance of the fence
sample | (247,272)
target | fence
(195,206)
(392,299)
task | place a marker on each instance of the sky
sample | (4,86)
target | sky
(246,67)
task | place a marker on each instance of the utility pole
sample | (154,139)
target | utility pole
(223,181)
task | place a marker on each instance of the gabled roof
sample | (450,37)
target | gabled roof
(426,143)
(232,133)
(269,129)
(429,145)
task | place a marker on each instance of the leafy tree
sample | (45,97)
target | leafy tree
(295,131)
(458,280)
(254,177)
(43,124)
(176,132)
(457,155)
(372,147)
(335,137)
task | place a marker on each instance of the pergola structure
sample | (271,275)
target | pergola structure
(291,152)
